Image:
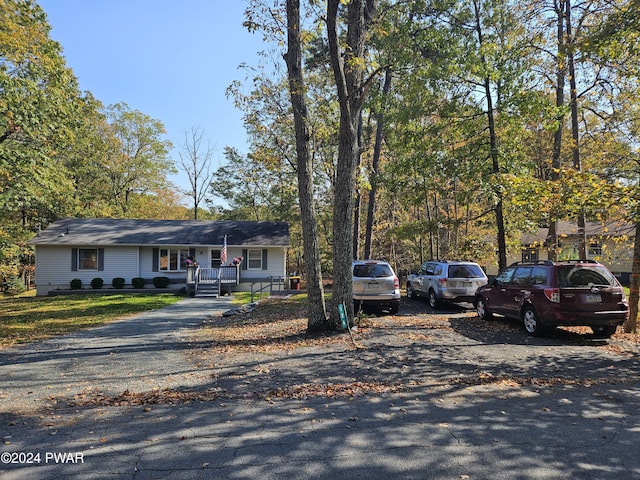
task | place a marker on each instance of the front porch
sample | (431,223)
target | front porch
(213,280)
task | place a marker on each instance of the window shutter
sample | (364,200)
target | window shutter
(243,265)
(155,260)
(100,259)
(74,259)
(264,258)
(192,253)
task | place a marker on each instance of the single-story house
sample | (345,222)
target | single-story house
(610,243)
(88,248)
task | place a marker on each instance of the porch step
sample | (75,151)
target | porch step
(208,290)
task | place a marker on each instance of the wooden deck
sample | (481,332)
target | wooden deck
(212,279)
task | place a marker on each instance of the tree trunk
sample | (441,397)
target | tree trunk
(348,74)
(495,163)
(552,237)
(631,325)
(358,199)
(317,320)
(575,130)
(375,162)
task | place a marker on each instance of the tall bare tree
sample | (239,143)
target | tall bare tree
(195,161)
(317,318)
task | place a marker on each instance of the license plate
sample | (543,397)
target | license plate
(467,284)
(593,298)
(371,286)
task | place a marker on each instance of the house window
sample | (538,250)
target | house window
(172,260)
(87,259)
(215,258)
(254,259)
(530,254)
(595,248)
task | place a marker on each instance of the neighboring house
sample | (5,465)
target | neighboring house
(610,243)
(87,248)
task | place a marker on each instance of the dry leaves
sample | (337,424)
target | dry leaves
(166,396)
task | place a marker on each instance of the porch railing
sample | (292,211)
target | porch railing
(227,275)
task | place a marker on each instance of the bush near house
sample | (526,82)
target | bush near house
(117,282)
(137,282)
(75,284)
(161,282)
(97,283)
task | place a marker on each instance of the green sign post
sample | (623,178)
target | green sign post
(342,311)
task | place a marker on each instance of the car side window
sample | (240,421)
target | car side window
(539,276)
(505,277)
(521,276)
(429,270)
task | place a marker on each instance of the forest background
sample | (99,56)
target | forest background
(482,121)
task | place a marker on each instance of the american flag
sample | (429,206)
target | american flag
(223,252)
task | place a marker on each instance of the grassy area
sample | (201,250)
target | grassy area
(28,318)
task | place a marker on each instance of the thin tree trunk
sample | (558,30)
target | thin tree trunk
(493,146)
(317,320)
(358,199)
(375,162)
(552,236)
(631,325)
(575,130)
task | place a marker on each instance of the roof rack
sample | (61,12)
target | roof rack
(549,262)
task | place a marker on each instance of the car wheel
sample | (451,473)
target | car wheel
(410,292)
(433,301)
(482,310)
(604,331)
(531,322)
(357,304)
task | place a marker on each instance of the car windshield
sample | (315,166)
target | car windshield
(465,271)
(584,276)
(372,270)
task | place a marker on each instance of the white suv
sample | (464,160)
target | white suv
(375,284)
(446,281)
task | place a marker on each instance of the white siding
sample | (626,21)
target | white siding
(53,267)
(276,267)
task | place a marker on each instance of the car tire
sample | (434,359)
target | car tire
(604,331)
(531,322)
(433,300)
(357,305)
(410,292)
(482,310)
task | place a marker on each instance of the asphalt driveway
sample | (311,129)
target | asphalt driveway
(424,395)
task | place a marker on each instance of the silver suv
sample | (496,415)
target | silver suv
(375,284)
(446,281)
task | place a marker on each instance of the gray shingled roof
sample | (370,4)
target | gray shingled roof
(101,231)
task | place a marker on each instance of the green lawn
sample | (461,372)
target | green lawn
(29,318)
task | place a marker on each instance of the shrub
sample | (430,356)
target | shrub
(14,285)
(137,282)
(161,282)
(97,283)
(76,284)
(117,282)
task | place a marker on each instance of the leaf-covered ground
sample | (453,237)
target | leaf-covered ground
(267,355)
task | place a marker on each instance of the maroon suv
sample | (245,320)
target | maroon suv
(552,294)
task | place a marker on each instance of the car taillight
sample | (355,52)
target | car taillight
(396,282)
(553,294)
(443,282)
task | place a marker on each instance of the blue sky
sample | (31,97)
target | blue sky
(172,60)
